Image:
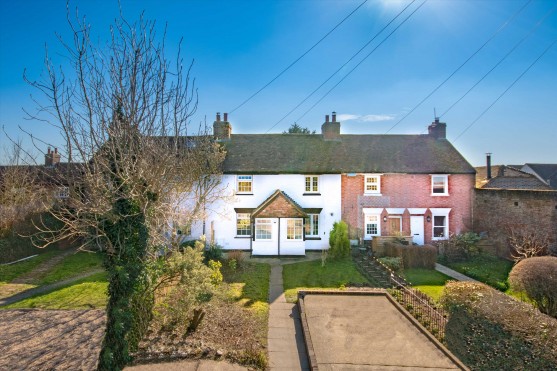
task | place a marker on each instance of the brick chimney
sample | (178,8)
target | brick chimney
(331,130)
(51,158)
(437,129)
(222,129)
(488,165)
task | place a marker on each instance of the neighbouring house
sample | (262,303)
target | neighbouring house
(514,200)
(547,173)
(287,190)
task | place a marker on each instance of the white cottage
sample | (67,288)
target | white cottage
(279,205)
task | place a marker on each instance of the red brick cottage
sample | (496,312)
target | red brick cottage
(413,185)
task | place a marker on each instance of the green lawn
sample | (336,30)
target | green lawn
(90,292)
(488,269)
(73,265)
(429,281)
(12,271)
(306,275)
(250,285)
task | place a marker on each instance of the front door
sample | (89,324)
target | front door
(394,225)
(266,239)
(417,229)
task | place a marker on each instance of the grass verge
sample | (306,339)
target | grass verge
(428,281)
(12,271)
(87,293)
(488,269)
(311,275)
(72,265)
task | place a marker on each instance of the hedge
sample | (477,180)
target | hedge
(412,256)
(488,330)
(537,278)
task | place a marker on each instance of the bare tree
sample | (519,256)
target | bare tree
(124,111)
(21,191)
(527,242)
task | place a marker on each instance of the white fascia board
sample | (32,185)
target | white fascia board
(440,211)
(398,210)
(417,210)
(372,210)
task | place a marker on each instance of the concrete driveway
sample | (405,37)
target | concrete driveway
(356,332)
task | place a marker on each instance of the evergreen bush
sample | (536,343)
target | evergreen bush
(339,242)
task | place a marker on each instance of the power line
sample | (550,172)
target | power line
(359,63)
(502,59)
(506,90)
(300,57)
(341,67)
(462,65)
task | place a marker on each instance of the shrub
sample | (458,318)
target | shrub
(537,278)
(235,255)
(212,252)
(460,247)
(393,263)
(412,256)
(338,241)
(184,283)
(488,330)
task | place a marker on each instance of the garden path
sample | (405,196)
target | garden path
(452,273)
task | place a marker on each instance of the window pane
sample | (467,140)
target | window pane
(243,225)
(439,184)
(315,184)
(315,225)
(439,226)
(308,184)
(294,229)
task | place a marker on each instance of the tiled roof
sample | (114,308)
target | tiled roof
(303,154)
(547,172)
(507,177)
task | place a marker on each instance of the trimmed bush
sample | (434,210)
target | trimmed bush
(412,256)
(488,330)
(338,241)
(459,247)
(537,278)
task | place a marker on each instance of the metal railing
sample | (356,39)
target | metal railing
(421,306)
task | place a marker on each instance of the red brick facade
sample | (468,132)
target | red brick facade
(407,191)
(280,207)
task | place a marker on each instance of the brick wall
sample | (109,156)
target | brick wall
(279,208)
(408,191)
(496,210)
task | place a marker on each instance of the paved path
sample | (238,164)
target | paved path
(452,273)
(285,339)
(46,288)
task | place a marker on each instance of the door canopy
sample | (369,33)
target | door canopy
(279,205)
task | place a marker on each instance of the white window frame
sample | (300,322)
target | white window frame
(445,178)
(243,216)
(313,222)
(444,212)
(263,224)
(295,226)
(376,183)
(313,184)
(378,222)
(244,179)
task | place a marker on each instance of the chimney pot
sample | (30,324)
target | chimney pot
(226,116)
(437,129)
(334,118)
(218,116)
(55,149)
(48,150)
(326,118)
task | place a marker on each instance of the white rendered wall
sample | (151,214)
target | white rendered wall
(223,216)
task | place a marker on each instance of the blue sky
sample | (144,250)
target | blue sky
(238,46)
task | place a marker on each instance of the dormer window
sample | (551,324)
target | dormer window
(311,184)
(244,184)
(439,185)
(372,184)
